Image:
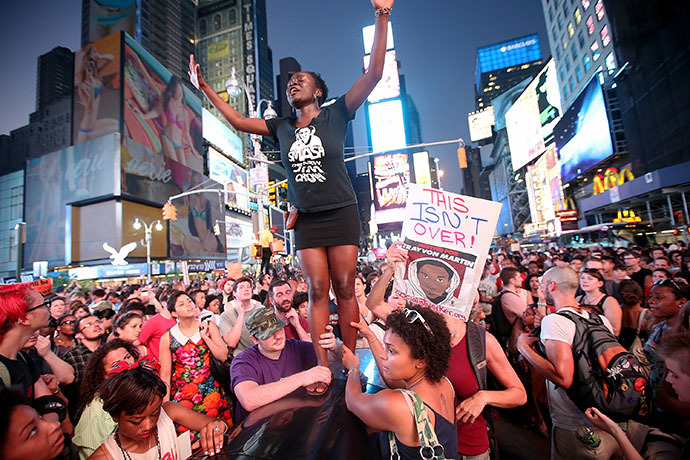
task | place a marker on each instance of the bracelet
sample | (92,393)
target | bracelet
(354,369)
(381,11)
(375,339)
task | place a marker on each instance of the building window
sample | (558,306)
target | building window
(216,22)
(551,14)
(573,53)
(585,4)
(590,25)
(566,94)
(587,62)
(571,30)
(202,27)
(561,73)
(564,42)
(571,83)
(581,39)
(554,33)
(558,53)
(610,63)
(560,22)
(595,50)
(567,63)
(605,38)
(578,16)
(233,16)
(599,9)
(578,73)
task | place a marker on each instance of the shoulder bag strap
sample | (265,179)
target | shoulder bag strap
(427,436)
(640,320)
(5,375)
(476,348)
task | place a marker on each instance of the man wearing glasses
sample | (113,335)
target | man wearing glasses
(90,336)
(642,276)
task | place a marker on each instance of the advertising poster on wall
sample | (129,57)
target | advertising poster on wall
(391,175)
(502,103)
(480,123)
(222,137)
(234,178)
(524,129)
(106,17)
(68,176)
(422,171)
(447,237)
(239,236)
(159,111)
(389,86)
(97,85)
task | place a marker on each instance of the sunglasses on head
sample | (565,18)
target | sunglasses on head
(667,282)
(413,315)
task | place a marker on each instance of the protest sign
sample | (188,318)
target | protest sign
(447,237)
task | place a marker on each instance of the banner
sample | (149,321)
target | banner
(447,237)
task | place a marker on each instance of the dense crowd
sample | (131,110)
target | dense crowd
(120,372)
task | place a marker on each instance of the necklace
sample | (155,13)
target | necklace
(125,454)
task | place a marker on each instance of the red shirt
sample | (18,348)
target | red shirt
(291,332)
(472,439)
(153,330)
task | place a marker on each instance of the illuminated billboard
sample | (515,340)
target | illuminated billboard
(159,111)
(389,86)
(106,17)
(239,236)
(234,178)
(368,38)
(539,191)
(387,125)
(218,134)
(97,84)
(390,177)
(480,123)
(507,54)
(422,170)
(502,103)
(531,119)
(582,136)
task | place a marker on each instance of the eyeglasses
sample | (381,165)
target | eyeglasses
(667,281)
(413,315)
(67,323)
(90,323)
(45,304)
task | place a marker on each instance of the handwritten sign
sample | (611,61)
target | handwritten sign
(447,237)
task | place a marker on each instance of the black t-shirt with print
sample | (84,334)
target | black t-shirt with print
(313,159)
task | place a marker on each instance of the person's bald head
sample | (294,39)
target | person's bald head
(561,280)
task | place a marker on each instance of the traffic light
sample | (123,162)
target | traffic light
(462,158)
(169,211)
(272,195)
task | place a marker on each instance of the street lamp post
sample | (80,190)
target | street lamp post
(439,174)
(138,223)
(234,87)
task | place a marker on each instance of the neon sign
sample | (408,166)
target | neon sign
(610,179)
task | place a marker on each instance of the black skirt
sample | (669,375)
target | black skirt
(333,227)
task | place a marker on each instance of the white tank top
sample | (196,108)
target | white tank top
(166,436)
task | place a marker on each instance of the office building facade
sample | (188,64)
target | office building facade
(54,76)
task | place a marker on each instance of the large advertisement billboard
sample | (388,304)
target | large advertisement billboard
(480,123)
(234,178)
(389,86)
(106,17)
(582,136)
(239,236)
(368,37)
(53,181)
(97,84)
(422,170)
(159,111)
(391,175)
(221,136)
(502,103)
(387,125)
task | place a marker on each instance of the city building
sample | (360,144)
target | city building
(165,28)
(581,43)
(501,66)
(54,76)
(11,213)
(287,67)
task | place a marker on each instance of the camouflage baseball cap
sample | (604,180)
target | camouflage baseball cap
(263,323)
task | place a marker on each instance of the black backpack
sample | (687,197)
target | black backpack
(499,325)
(607,376)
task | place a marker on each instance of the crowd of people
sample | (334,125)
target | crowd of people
(120,371)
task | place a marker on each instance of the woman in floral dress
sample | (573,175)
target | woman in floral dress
(185,354)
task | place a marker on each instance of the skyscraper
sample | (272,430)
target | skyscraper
(54,76)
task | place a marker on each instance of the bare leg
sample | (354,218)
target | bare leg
(314,262)
(343,263)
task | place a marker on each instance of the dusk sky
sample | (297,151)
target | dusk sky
(436,44)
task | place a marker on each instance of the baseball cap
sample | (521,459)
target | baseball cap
(274,228)
(263,323)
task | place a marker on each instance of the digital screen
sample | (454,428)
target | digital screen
(234,178)
(391,175)
(368,37)
(239,236)
(582,136)
(160,113)
(502,103)
(480,124)
(389,86)
(422,171)
(97,85)
(507,54)
(218,134)
(387,125)
(106,18)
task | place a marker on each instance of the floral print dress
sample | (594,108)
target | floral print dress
(192,384)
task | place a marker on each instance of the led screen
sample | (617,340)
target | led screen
(221,136)
(234,178)
(391,175)
(480,123)
(368,37)
(387,125)
(422,171)
(160,113)
(582,136)
(507,54)
(389,86)
(106,17)
(97,84)
(502,103)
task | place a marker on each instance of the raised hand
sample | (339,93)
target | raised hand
(193,72)
(382,3)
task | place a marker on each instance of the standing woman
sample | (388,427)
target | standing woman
(185,358)
(89,84)
(311,143)
(598,302)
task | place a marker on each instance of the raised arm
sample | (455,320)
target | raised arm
(236,119)
(365,84)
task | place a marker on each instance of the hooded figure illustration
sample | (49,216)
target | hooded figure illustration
(432,279)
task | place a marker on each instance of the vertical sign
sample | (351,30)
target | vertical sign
(249,35)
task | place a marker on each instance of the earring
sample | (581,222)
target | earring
(315,97)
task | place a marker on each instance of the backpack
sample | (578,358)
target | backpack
(607,376)
(499,325)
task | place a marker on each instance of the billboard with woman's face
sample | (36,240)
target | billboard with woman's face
(97,84)
(159,111)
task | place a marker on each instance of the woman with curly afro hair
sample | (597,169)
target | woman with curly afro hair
(417,352)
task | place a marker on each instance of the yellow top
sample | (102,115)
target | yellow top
(265,238)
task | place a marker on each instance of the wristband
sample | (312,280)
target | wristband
(354,369)
(381,11)
(375,339)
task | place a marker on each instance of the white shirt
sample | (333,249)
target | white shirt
(564,413)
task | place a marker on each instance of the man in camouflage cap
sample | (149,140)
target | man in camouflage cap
(275,366)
